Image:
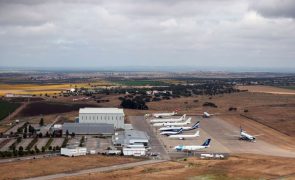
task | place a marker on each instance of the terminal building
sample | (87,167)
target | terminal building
(113,116)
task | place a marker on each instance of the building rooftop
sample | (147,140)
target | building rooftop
(88,128)
(124,137)
(101,110)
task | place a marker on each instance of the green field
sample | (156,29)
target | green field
(6,108)
(141,83)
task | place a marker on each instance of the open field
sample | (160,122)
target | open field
(236,167)
(44,108)
(6,108)
(140,83)
(37,89)
(54,165)
(268,89)
(280,117)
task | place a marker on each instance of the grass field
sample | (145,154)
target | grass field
(140,83)
(6,108)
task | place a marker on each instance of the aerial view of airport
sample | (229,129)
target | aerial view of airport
(147,89)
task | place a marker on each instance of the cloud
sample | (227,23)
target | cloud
(144,32)
(274,8)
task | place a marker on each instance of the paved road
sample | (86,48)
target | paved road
(139,123)
(96,170)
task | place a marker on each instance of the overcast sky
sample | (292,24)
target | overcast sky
(97,33)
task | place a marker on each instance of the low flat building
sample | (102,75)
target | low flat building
(130,137)
(134,151)
(113,116)
(73,151)
(102,129)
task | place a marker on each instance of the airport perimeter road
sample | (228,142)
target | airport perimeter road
(139,123)
(97,170)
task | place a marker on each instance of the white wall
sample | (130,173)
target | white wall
(116,119)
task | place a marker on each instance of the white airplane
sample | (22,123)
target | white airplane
(193,148)
(175,128)
(160,115)
(168,133)
(184,136)
(188,121)
(207,115)
(247,137)
(168,120)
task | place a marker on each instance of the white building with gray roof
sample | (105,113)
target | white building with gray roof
(113,116)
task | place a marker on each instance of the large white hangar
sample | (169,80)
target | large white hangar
(113,116)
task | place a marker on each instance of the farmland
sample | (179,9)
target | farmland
(140,83)
(46,108)
(6,108)
(37,89)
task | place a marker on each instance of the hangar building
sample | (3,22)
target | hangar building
(113,116)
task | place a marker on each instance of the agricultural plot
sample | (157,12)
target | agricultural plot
(6,108)
(140,83)
(44,108)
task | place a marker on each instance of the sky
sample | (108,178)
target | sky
(120,33)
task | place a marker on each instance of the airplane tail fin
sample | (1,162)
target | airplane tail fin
(180,131)
(197,133)
(207,142)
(197,125)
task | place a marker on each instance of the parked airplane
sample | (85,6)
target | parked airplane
(188,121)
(184,136)
(207,115)
(193,148)
(247,137)
(169,119)
(175,128)
(160,115)
(168,133)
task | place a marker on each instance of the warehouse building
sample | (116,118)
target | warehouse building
(113,116)
(101,129)
(129,138)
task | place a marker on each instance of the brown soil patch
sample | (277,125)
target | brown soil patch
(267,89)
(54,165)
(236,167)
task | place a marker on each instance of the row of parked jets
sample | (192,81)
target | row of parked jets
(174,127)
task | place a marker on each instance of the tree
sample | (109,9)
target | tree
(40,135)
(20,148)
(41,123)
(73,134)
(67,133)
(43,149)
